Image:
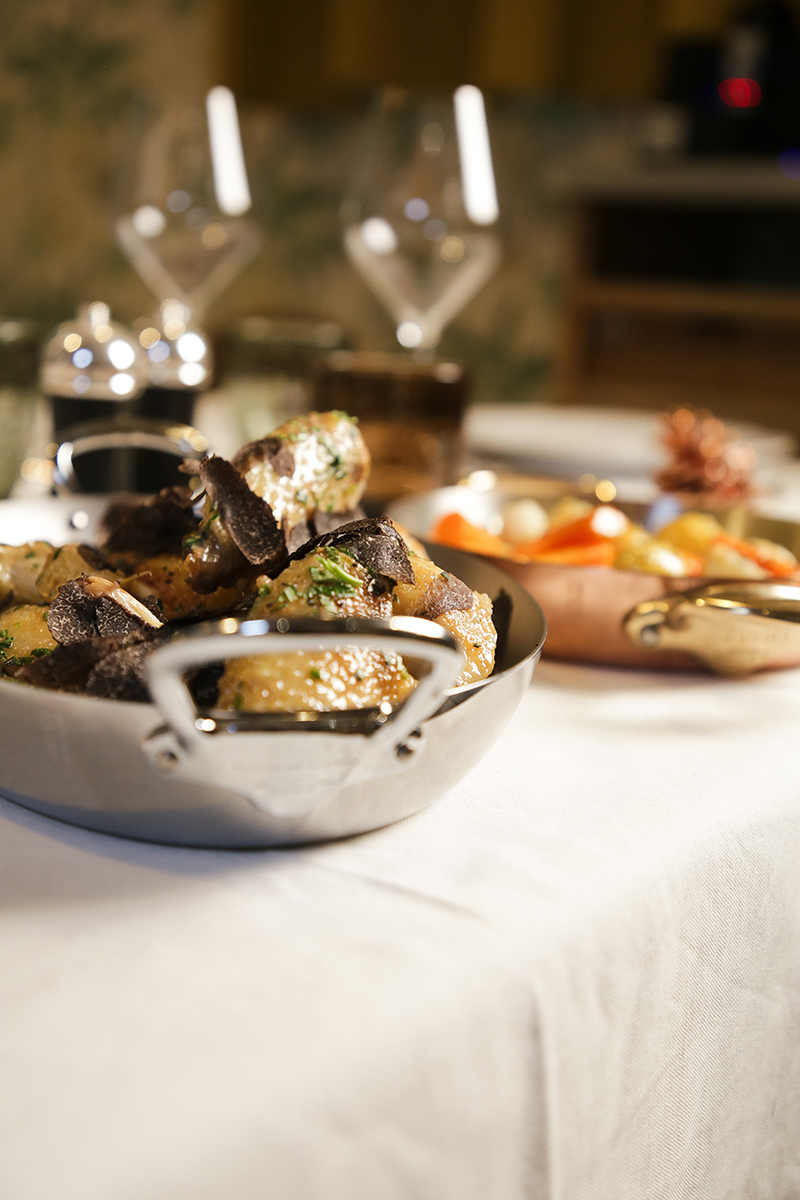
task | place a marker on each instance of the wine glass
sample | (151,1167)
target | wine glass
(183,203)
(420,213)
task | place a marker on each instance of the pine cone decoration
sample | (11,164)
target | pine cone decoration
(709,463)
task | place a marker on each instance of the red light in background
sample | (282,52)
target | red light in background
(740,93)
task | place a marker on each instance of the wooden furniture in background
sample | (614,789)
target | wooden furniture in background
(685,288)
(320,53)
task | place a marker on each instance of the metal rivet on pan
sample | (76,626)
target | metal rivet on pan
(79,519)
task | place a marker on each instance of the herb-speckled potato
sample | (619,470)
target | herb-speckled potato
(24,636)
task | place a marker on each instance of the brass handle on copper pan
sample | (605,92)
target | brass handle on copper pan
(735,628)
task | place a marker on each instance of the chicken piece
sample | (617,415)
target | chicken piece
(329,681)
(70,562)
(319,461)
(328,583)
(24,636)
(438,596)
(19,569)
(164,578)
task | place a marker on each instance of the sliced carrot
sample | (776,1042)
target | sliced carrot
(602,554)
(694,563)
(455,530)
(775,566)
(601,525)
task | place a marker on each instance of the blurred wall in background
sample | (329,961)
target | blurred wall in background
(563,76)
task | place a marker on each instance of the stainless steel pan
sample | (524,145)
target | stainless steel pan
(167,773)
(630,618)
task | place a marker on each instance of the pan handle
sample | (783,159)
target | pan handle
(735,628)
(286,763)
(118,433)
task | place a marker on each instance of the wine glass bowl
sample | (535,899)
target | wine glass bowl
(183,202)
(420,212)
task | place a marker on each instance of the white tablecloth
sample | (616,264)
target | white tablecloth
(577,977)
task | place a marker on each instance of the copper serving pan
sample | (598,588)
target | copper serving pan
(166,772)
(632,619)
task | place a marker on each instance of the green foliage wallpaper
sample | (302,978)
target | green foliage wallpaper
(71,73)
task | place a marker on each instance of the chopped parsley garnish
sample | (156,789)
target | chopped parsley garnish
(332,572)
(18,660)
(285,597)
(314,673)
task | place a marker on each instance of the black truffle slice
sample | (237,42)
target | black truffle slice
(153,526)
(445,594)
(67,668)
(247,516)
(92,607)
(122,674)
(375,543)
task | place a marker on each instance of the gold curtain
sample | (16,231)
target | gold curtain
(312,52)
